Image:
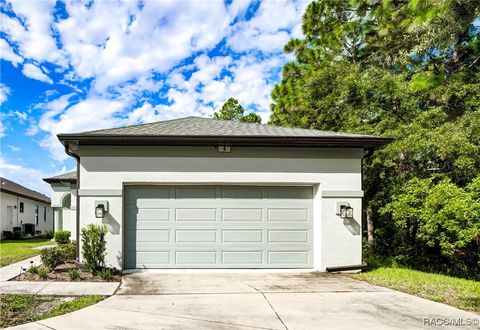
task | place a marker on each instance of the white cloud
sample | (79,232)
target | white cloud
(2,129)
(4,92)
(13,148)
(36,73)
(7,53)
(28,177)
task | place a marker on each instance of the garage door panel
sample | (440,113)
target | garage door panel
(195,235)
(242,236)
(195,193)
(242,192)
(242,214)
(290,193)
(149,214)
(194,257)
(195,214)
(152,235)
(288,257)
(242,257)
(288,236)
(288,215)
(218,227)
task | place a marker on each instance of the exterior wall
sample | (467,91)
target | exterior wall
(335,173)
(27,216)
(64,198)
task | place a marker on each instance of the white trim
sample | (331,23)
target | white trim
(342,193)
(100,192)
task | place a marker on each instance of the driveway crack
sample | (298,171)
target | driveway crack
(268,301)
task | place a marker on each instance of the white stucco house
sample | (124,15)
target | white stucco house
(63,201)
(203,193)
(24,208)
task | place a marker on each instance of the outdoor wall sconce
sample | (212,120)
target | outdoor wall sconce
(101,207)
(344,210)
(222,148)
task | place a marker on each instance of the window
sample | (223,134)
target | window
(45,214)
(36,214)
(21,207)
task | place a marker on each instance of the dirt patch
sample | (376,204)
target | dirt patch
(61,274)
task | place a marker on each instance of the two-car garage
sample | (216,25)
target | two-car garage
(218,226)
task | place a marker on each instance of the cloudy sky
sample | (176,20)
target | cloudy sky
(79,66)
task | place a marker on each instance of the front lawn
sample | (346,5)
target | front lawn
(17,309)
(461,293)
(17,250)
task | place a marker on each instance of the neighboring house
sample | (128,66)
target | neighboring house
(24,208)
(203,193)
(64,201)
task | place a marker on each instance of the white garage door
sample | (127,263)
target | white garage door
(218,227)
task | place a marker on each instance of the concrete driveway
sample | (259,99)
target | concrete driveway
(255,300)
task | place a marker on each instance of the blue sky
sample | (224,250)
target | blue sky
(79,66)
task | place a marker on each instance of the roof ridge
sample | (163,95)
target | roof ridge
(138,125)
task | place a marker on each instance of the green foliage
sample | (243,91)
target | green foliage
(7,234)
(457,292)
(105,274)
(42,272)
(17,233)
(33,269)
(48,235)
(54,256)
(410,70)
(74,274)
(233,110)
(71,306)
(94,246)
(62,237)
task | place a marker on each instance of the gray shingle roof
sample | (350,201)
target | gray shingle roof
(67,177)
(195,131)
(16,189)
(191,126)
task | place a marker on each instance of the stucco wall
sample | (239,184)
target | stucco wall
(64,198)
(335,172)
(28,215)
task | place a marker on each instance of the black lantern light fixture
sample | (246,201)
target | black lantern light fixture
(99,211)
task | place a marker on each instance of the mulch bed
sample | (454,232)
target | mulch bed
(60,274)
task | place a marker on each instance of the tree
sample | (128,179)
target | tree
(410,70)
(233,110)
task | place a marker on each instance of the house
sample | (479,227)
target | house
(24,208)
(203,193)
(64,200)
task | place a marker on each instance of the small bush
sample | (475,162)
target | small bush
(62,236)
(48,235)
(33,269)
(7,234)
(73,274)
(42,272)
(54,256)
(105,274)
(94,247)
(17,233)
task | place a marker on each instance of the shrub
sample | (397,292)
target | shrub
(42,272)
(54,256)
(94,246)
(105,274)
(48,234)
(73,274)
(62,237)
(17,233)
(7,234)
(33,269)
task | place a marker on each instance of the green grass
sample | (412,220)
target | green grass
(17,309)
(12,251)
(461,293)
(71,306)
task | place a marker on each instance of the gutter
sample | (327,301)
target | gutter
(77,209)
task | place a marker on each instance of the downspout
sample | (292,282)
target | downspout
(77,209)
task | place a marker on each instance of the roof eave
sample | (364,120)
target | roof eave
(266,141)
(14,193)
(56,180)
